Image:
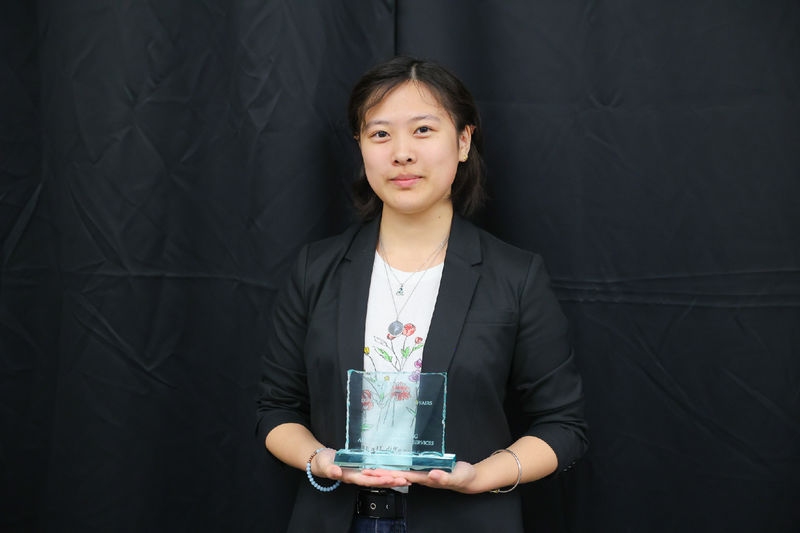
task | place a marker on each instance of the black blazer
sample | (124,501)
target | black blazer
(498,332)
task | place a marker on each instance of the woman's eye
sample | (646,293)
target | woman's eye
(379,135)
(423,129)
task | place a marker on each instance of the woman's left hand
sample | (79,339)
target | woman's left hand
(461,479)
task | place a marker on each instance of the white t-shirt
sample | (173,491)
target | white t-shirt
(392,405)
(401,352)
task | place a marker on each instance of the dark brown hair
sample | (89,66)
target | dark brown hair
(467,193)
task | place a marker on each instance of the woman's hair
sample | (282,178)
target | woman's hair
(467,193)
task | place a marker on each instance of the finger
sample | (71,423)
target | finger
(380,472)
(436,479)
(381,482)
(416,477)
(393,481)
(371,477)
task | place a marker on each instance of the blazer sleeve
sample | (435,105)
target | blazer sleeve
(283,391)
(545,383)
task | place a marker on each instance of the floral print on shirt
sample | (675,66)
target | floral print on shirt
(397,349)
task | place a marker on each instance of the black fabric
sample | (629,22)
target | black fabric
(161,162)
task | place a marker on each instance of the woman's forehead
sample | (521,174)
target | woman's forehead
(407,101)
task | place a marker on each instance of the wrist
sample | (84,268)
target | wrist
(310,475)
(317,467)
(500,472)
(483,481)
(513,454)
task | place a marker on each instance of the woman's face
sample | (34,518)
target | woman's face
(411,150)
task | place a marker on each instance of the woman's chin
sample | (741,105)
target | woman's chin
(416,207)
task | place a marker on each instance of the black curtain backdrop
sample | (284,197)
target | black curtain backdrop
(161,163)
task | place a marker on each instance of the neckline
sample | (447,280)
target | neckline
(397,270)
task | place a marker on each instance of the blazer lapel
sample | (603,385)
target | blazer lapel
(353,296)
(455,294)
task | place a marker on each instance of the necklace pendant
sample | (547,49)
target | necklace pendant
(395,327)
(400,291)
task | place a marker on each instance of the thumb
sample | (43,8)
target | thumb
(333,471)
(438,476)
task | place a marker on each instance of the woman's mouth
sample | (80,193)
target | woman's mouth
(405,180)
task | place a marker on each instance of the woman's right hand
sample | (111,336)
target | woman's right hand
(322,465)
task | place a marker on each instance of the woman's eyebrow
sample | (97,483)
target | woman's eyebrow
(425,117)
(376,122)
(384,122)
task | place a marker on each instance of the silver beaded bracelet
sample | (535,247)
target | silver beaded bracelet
(311,477)
(519,471)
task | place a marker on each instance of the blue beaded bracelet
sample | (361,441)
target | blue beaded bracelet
(311,477)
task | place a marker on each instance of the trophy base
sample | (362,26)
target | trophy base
(395,461)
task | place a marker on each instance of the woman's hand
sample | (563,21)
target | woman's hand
(461,479)
(323,466)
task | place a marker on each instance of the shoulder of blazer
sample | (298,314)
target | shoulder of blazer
(478,246)
(322,258)
(334,249)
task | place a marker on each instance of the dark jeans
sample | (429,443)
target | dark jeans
(378,525)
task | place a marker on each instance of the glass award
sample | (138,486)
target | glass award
(396,421)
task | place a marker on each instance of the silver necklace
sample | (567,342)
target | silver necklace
(396,326)
(400,291)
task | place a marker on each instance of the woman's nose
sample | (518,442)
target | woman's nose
(403,154)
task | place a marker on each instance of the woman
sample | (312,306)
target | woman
(417,287)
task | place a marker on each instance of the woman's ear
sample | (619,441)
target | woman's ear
(464,142)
